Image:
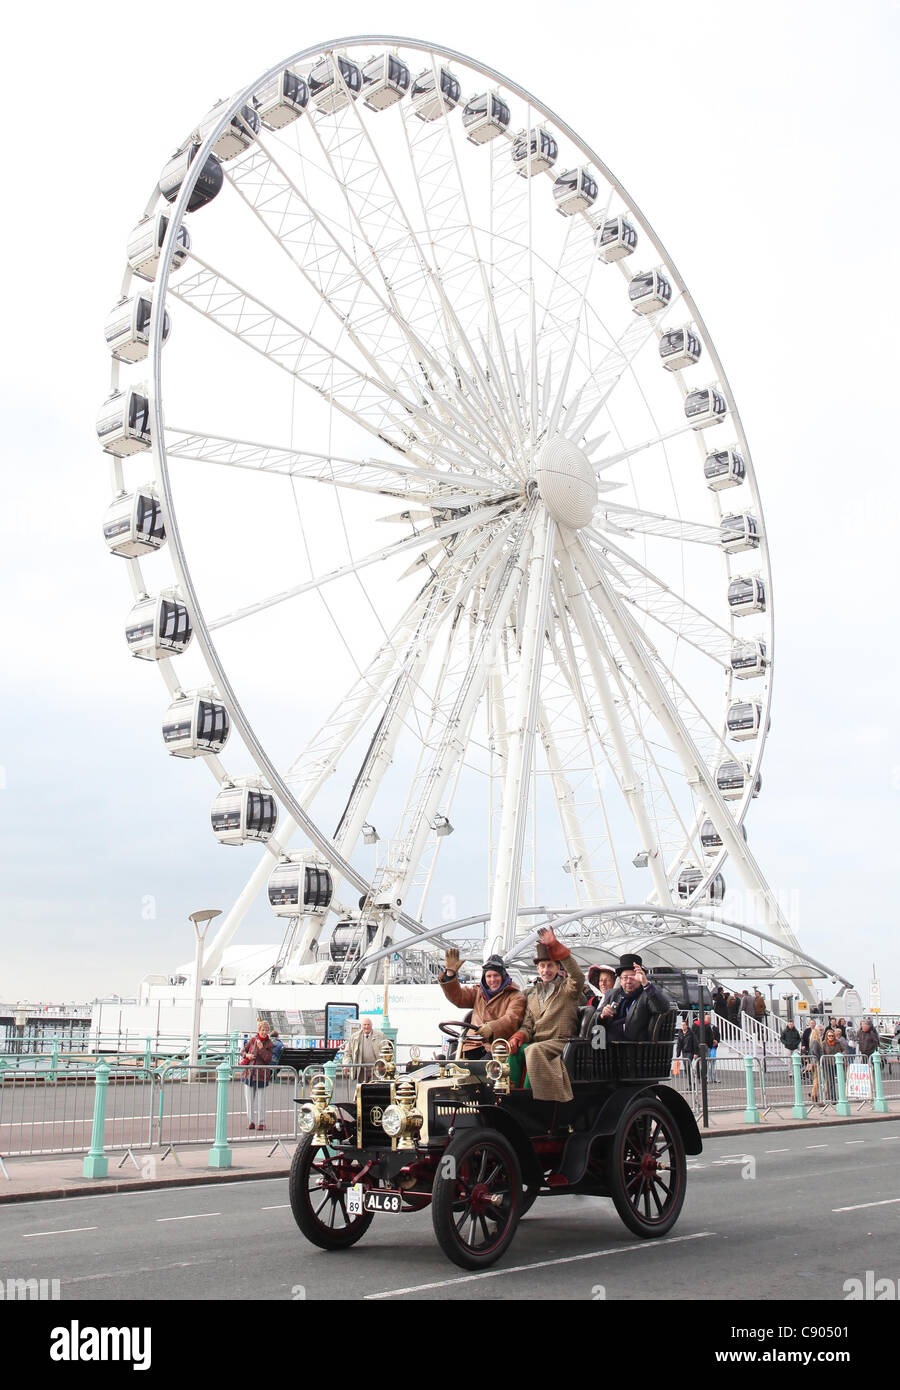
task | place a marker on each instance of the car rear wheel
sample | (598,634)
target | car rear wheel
(477,1198)
(647,1170)
(319,1199)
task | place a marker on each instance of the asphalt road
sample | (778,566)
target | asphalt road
(769,1215)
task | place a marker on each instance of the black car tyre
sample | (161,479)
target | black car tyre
(477,1198)
(647,1169)
(319,1202)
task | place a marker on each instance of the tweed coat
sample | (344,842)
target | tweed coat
(547,1030)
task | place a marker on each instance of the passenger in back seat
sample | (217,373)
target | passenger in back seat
(550,1019)
(634,1004)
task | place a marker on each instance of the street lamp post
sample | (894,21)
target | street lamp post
(201,921)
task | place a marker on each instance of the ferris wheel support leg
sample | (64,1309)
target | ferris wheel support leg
(587,888)
(505,896)
(246,897)
(698,775)
(631,784)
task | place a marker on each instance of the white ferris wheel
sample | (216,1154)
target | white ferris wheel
(438,497)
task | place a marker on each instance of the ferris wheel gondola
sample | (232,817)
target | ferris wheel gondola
(549,633)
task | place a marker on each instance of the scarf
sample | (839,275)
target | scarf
(490,994)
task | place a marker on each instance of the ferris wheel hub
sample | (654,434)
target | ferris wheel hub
(567,482)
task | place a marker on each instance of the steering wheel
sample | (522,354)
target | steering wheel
(456,1029)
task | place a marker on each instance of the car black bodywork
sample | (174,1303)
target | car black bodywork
(480,1154)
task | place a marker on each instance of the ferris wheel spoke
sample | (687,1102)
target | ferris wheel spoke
(559,331)
(680,840)
(602,381)
(386,553)
(376,326)
(444,205)
(311,769)
(382,220)
(369,403)
(627,519)
(608,460)
(454,718)
(382,476)
(585,735)
(657,600)
(597,654)
(519,763)
(579,862)
(697,774)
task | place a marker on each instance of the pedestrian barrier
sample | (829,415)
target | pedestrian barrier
(40,1116)
(189,1101)
(115,1110)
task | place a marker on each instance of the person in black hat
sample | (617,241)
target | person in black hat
(635,1003)
(497,1004)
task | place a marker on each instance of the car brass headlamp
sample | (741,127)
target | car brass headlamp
(306,1119)
(384,1069)
(402,1121)
(319,1118)
(497,1069)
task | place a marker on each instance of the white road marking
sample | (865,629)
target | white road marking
(854,1141)
(888,1202)
(817,1146)
(195,1217)
(777,1151)
(280,1207)
(539,1264)
(72,1230)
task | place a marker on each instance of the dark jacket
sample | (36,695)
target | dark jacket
(686,1044)
(710,1035)
(790,1037)
(867,1041)
(635,1025)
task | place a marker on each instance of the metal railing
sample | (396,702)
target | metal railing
(37,1117)
(188,1098)
(121,1109)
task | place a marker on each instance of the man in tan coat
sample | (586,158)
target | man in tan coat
(497,1004)
(363,1051)
(551,1017)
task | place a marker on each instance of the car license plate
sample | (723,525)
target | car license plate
(361,1199)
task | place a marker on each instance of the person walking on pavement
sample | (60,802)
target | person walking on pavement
(832,1045)
(710,1036)
(686,1052)
(867,1040)
(790,1037)
(255,1060)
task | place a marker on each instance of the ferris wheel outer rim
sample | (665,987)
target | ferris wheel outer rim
(176,216)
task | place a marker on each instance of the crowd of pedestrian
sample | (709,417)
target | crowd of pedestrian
(731,1007)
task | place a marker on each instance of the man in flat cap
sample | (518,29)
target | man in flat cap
(634,1003)
(551,1017)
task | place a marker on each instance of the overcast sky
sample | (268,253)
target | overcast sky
(759,140)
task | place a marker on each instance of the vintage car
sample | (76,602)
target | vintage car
(455,1135)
